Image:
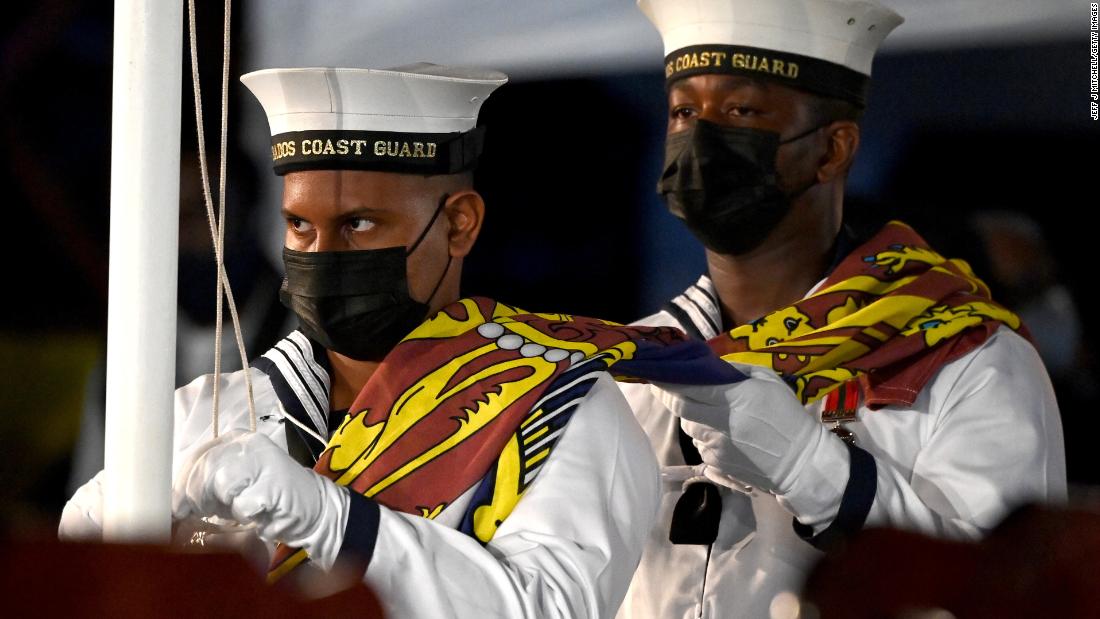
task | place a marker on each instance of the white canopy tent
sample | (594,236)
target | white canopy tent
(537,39)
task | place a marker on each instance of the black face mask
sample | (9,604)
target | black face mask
(356,303)
(723,183)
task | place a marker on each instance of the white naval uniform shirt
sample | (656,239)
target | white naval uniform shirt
(983,436)
(567,550)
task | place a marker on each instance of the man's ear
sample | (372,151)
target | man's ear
(842,142)
(465,211)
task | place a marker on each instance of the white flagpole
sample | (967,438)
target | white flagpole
(141,313)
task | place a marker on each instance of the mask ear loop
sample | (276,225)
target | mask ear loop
(797,194)
(803,134)
(439,282)
(431,222)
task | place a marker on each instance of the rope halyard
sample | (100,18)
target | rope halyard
(217,223)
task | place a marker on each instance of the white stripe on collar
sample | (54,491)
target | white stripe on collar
(700,303)
(293,357)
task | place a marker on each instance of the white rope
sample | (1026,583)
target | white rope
(217,224)
(288,417)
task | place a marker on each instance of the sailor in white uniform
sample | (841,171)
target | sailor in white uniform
(366,156)
(764,102)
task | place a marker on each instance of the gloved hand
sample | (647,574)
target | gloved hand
(755,431)
(245,477)
(82,518)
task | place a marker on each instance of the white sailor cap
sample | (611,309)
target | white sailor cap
(823,46)
(415,119)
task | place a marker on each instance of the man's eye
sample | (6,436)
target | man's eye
(740,111)
(300,226)
(360,224)
(682,112)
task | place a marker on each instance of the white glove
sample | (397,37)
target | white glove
(755,431)
(244,476)
(82,518)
